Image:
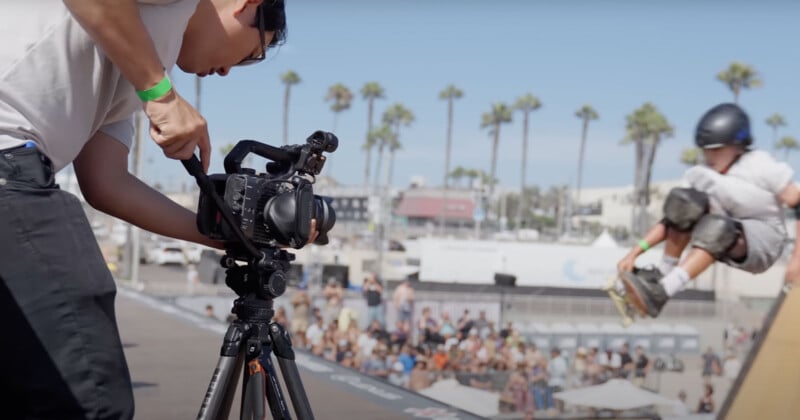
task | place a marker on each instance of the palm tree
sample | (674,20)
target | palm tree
(289,79)
(498,115)
(393,145)
(226,149)
(370,92)
(380,138)
(458,174)
(739,76)
(450,93)
(775,121)
(525,104)
(341,98)
(646,126)
(692,156)
(586,114)
(472,175)
(394,117)
(787,144)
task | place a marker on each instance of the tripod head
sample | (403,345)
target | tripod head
(263,277)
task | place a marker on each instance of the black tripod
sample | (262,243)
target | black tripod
(249,343)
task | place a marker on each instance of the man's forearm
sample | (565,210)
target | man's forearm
(115,25)
(138,204)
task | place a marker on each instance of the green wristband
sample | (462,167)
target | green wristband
(644,245)
(156,92)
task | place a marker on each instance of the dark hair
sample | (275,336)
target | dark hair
(274,14)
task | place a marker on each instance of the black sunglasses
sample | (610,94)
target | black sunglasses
(261,31)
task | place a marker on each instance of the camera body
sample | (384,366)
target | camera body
(274,208)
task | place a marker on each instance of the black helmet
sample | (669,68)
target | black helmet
(723,125)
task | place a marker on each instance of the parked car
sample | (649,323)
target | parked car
(166,253)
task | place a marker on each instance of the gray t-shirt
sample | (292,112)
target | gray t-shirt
(749,190)
(58,88)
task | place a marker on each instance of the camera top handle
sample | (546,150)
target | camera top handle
(307,158)
(195,168)
(234,159)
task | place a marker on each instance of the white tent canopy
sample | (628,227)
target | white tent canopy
(473,400)
(604,240)
(616,394)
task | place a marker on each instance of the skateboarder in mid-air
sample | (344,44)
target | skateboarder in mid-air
(729,210)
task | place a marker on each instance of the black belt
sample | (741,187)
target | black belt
(26,164)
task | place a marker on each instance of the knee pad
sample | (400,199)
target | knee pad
(716,234)
(684,207)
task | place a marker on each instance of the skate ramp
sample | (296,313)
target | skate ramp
(767,386)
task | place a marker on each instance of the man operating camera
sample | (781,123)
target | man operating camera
(72,74)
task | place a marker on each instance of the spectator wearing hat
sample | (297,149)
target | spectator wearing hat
(396,375)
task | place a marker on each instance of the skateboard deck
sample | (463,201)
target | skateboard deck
(617,294)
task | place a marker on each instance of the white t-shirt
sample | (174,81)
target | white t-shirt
(749,190)
(57,88)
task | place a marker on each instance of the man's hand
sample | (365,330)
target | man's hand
(314,232)
(178,128)
(792,276)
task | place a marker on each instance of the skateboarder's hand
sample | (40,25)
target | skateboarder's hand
(792,276)
(626,264)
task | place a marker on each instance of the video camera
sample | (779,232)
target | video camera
(274,208)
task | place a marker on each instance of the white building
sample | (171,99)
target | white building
(616,205)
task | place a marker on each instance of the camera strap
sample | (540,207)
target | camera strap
(195,169)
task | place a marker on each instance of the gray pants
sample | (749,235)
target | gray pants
(61,352)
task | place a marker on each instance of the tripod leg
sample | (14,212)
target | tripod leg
(253,397)
(282,346)
(219,396)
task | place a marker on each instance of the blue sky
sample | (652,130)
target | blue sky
(614,55)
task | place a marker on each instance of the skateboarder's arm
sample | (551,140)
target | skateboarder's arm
(653,237)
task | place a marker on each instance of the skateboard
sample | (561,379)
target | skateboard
(616,291)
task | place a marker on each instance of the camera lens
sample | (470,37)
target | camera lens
(325,216)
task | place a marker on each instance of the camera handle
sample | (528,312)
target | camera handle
(195,168)
(234,159)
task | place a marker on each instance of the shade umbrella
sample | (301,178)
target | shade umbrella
(616,394)
(473,400)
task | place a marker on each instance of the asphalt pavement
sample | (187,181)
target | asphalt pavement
(172,354)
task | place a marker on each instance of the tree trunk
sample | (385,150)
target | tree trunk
(448,149)
(580,161)
(286,114)
(495,144)
(368,150)
(648,171)
(637,188)
(518,221)
(390,169)
(378,163)
(197,91)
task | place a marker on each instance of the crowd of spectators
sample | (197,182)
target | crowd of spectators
(419,350)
